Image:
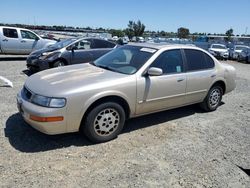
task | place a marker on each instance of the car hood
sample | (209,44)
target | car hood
(219,50)
(43,50)
(63,81)
(50,41)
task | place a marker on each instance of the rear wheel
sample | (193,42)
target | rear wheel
(213,99)
(104,122)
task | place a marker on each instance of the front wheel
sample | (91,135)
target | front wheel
(104,122)
(213,99)
(59,63)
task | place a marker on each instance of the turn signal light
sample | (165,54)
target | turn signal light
(46,119)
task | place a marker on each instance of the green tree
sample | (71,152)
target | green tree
(139,28)
(135,29)
(116,32)
(183,32)
(229,34)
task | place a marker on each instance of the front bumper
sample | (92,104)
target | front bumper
(220,54)
(27,109)
(35,64)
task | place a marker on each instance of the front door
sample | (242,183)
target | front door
(81,52)
(29,41)
(155,93)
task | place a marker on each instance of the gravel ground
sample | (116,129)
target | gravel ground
(178,148)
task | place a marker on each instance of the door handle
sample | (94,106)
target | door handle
(5,40)
(180,79)
(213,75)
(23,41)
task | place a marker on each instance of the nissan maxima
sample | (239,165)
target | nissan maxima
(133,80)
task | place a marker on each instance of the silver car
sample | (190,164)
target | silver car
(15,40)
(235,52)
(67,52)
(127,82)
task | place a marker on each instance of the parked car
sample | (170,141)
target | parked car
(15,40)
(219,51)
(244,55)
(129,81)
(236,50)
(67,52)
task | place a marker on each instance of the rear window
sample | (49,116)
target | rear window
(198,60)
(103,44)
(10,33)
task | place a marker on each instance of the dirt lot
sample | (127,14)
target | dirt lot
(177,148)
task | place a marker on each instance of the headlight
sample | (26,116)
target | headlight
(47,55)
(48,101)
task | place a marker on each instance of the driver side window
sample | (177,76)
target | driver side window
(82,45)
(28,35)
(169,61)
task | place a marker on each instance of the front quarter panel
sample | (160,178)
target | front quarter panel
(79,101)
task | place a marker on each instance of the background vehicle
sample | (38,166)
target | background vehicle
(67,52)
(236,50)
(219,51)
(21,41)
(244,55)
(129,81)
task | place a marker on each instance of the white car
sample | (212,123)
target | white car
(219,50)
(15,40)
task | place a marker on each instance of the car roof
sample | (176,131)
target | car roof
(9,27)
(159,46)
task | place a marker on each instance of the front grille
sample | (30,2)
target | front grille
(26,93)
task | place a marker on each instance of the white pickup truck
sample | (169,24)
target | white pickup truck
(21,41)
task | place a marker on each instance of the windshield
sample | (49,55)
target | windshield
(63,43)
(127,59)
(219,46)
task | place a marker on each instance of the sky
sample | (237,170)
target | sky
(205,16)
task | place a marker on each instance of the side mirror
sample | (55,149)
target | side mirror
(153,71)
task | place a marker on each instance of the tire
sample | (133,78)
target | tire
(213,99)
(238,58)
(104,122)
(59,63)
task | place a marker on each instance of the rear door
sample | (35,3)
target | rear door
(10,42)
(200,75)
(29,41)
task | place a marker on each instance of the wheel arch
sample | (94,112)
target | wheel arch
(58,59)
(220,83)
(111,98)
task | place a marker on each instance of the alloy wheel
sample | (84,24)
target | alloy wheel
(106,122)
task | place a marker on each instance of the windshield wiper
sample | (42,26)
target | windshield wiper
(105,67)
